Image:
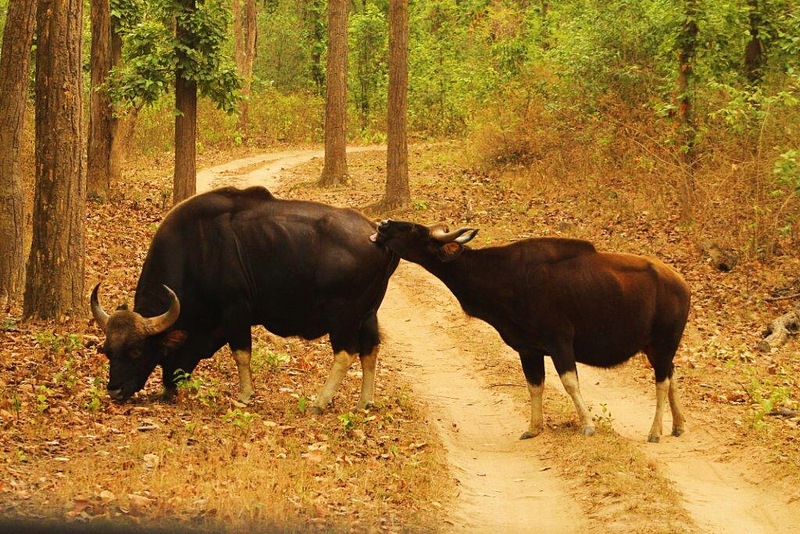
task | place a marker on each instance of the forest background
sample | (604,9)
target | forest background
(694,99)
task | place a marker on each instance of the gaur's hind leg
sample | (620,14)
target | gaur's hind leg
(533,367)
(666,391)
(368,365)
(341,364)
(678,420)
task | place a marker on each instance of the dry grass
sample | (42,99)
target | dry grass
(69,454)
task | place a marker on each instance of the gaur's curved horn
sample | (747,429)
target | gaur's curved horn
(156,325)
(460,236)
(97,311)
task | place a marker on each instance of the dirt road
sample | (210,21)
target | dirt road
(505,484)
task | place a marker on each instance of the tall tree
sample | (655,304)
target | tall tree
(687,129)
(753,51)
(183,46)
(334,170)
(245,36)
(397,189)
(54,283)
(102,123)
(14,69)
(184,183)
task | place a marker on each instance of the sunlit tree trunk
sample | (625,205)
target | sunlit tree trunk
(14,71)
(334,170)
(54,282)
(102,124)
(397,189)
(184,183)
(124,125)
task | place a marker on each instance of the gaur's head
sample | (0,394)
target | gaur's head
(134,344)
(420,244)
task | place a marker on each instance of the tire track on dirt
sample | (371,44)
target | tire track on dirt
(721,494)
(503,483)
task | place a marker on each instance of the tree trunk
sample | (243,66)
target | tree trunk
(245,31)
(397,190)
(184,182)
(54,285)
(334,170)
(753,51)
(123,126)
(314,20)
(14,68)
(687,46)
(102,124)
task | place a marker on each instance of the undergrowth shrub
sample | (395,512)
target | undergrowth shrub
(274,118)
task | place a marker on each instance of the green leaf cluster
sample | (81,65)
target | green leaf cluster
(153,54)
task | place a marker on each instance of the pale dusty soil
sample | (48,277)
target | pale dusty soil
(507,484)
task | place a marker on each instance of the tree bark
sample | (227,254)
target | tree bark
(184,182)
(397,188)
(14,69)
(754,49)
(245,31)
(334,170)
(54,285)
(102,124)
(124,125)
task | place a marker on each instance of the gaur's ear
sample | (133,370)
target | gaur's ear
(450,251)
(174,339)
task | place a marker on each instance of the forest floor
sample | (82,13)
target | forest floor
(440,452)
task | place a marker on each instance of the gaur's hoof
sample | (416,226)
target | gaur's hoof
(169,395)
(653,439)
(588,431)
(527,435)
(315,410)
(244,400)
(677,432)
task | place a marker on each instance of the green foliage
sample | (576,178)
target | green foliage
(152,53)
(767,397)
(272,360)
(786,170)
(368,64)
(58,344)
(43,395)
(242,420)
(194,387)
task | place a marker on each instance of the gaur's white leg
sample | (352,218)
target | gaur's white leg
(662,392)
(570,382)
(246,390)
(368,364)
(341,364)
(537,418)
(678,421)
